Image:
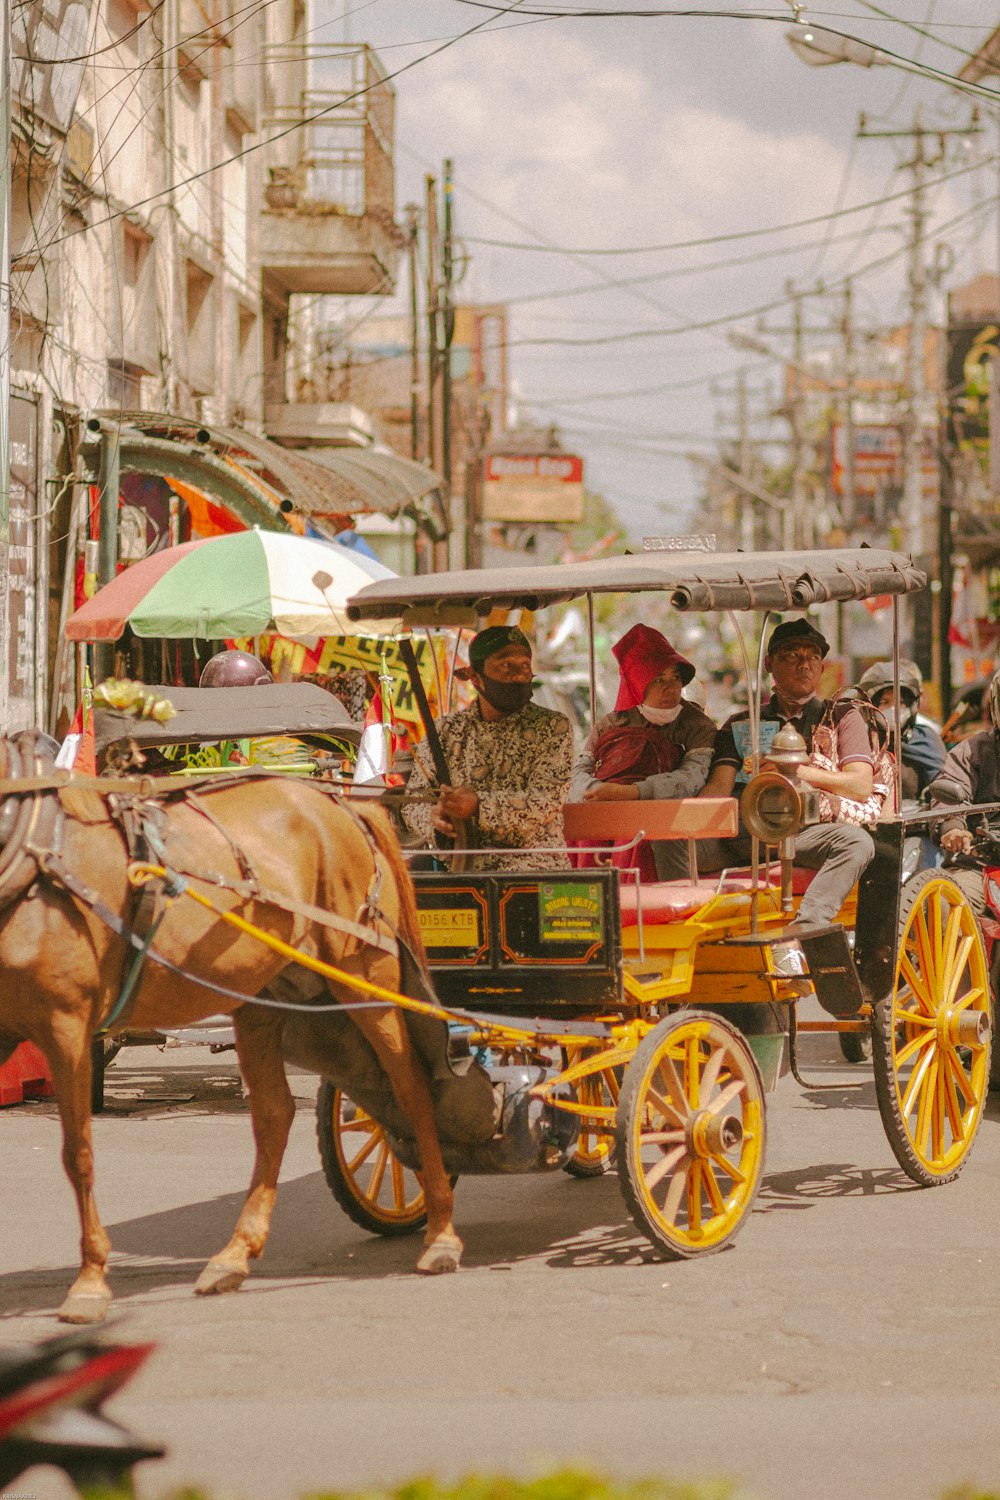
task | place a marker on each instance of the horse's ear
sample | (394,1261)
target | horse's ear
(84,806)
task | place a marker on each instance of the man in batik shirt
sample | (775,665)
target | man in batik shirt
(509,761)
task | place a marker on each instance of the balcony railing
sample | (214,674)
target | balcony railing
(331,131)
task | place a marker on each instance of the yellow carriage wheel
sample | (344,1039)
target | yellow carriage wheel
(932,1033)
(594,1153)
(691,1134)
(362,1171)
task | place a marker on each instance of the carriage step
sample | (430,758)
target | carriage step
(25,1074)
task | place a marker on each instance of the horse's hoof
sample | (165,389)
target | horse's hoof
(442,1256)
(85,1307)
(215,1280)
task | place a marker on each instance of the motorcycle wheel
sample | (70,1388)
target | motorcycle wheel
(855,1046)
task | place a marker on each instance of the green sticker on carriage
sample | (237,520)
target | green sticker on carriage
(570,912)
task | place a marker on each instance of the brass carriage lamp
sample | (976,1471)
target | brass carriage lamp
(775,805)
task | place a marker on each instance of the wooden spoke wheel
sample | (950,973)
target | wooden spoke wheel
(691,1134)
(932,1034)
(363,1173)
(995,1014)
(595,1150)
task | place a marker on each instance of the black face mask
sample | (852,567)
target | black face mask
(506,697)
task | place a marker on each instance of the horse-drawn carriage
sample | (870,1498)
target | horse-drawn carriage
(577,1013)
(296,728)
(647,1022)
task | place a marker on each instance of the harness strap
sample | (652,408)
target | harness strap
(369,910)
(364,932)
(516,1030)
(246,867)
(135,786)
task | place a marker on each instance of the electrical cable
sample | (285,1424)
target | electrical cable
(84,57)
(936,75)
(921,31)
(309,119)
(643,333)
(718,239)
(559,293)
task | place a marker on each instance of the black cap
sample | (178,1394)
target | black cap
(495,638)
(791,632)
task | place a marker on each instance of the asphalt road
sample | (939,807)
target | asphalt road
(847,1345)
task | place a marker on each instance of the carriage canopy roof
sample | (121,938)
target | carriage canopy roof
(203,715)
(693,581)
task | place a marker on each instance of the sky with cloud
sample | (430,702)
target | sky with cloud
(624,132)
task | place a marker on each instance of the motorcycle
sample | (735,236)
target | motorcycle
(51,1397)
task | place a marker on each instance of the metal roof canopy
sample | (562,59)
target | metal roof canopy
(694,581)
(394,485)
(203,715)
(262,483)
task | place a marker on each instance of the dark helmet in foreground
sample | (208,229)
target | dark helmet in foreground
(234,669)
(879,679)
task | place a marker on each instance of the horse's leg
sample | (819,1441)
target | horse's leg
(387,1033)
(69,1060)
(272,1109)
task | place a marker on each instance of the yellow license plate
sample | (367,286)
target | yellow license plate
(449,927)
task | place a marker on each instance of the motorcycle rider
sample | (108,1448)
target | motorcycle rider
(971,773)
(923,750)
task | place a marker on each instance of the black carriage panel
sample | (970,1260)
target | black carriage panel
(877,924)
(523,944)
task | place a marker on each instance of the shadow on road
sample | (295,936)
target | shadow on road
(561,1223)
(805,1185)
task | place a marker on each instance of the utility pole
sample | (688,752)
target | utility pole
(796,519)
(916,417)
(5,146)
(411,240)
(751,527)
(447,331)
(849,503)
(795,414)
(747,528)
(912,512)
(433,360)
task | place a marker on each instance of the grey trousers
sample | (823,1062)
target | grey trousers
(971,884)
(839,852)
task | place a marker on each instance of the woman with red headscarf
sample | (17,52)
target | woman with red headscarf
(655,744)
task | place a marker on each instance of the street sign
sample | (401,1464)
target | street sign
(533,487)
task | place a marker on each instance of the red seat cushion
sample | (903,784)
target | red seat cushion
(665,901)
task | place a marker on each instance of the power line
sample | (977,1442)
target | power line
(298,124)
(718,239)
(752,312)
(924,69)
(557,294)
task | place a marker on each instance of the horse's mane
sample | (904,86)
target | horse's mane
(388,845)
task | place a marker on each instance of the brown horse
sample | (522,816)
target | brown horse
(61,970)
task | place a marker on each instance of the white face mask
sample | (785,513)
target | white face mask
(659,715)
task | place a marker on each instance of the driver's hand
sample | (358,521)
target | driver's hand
(454,804)
(957,841)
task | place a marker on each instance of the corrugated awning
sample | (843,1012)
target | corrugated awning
(265,483)
(388,483)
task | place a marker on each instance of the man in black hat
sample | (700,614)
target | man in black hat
(839,852)
(509,761)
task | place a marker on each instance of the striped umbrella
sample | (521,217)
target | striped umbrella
(244,584)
